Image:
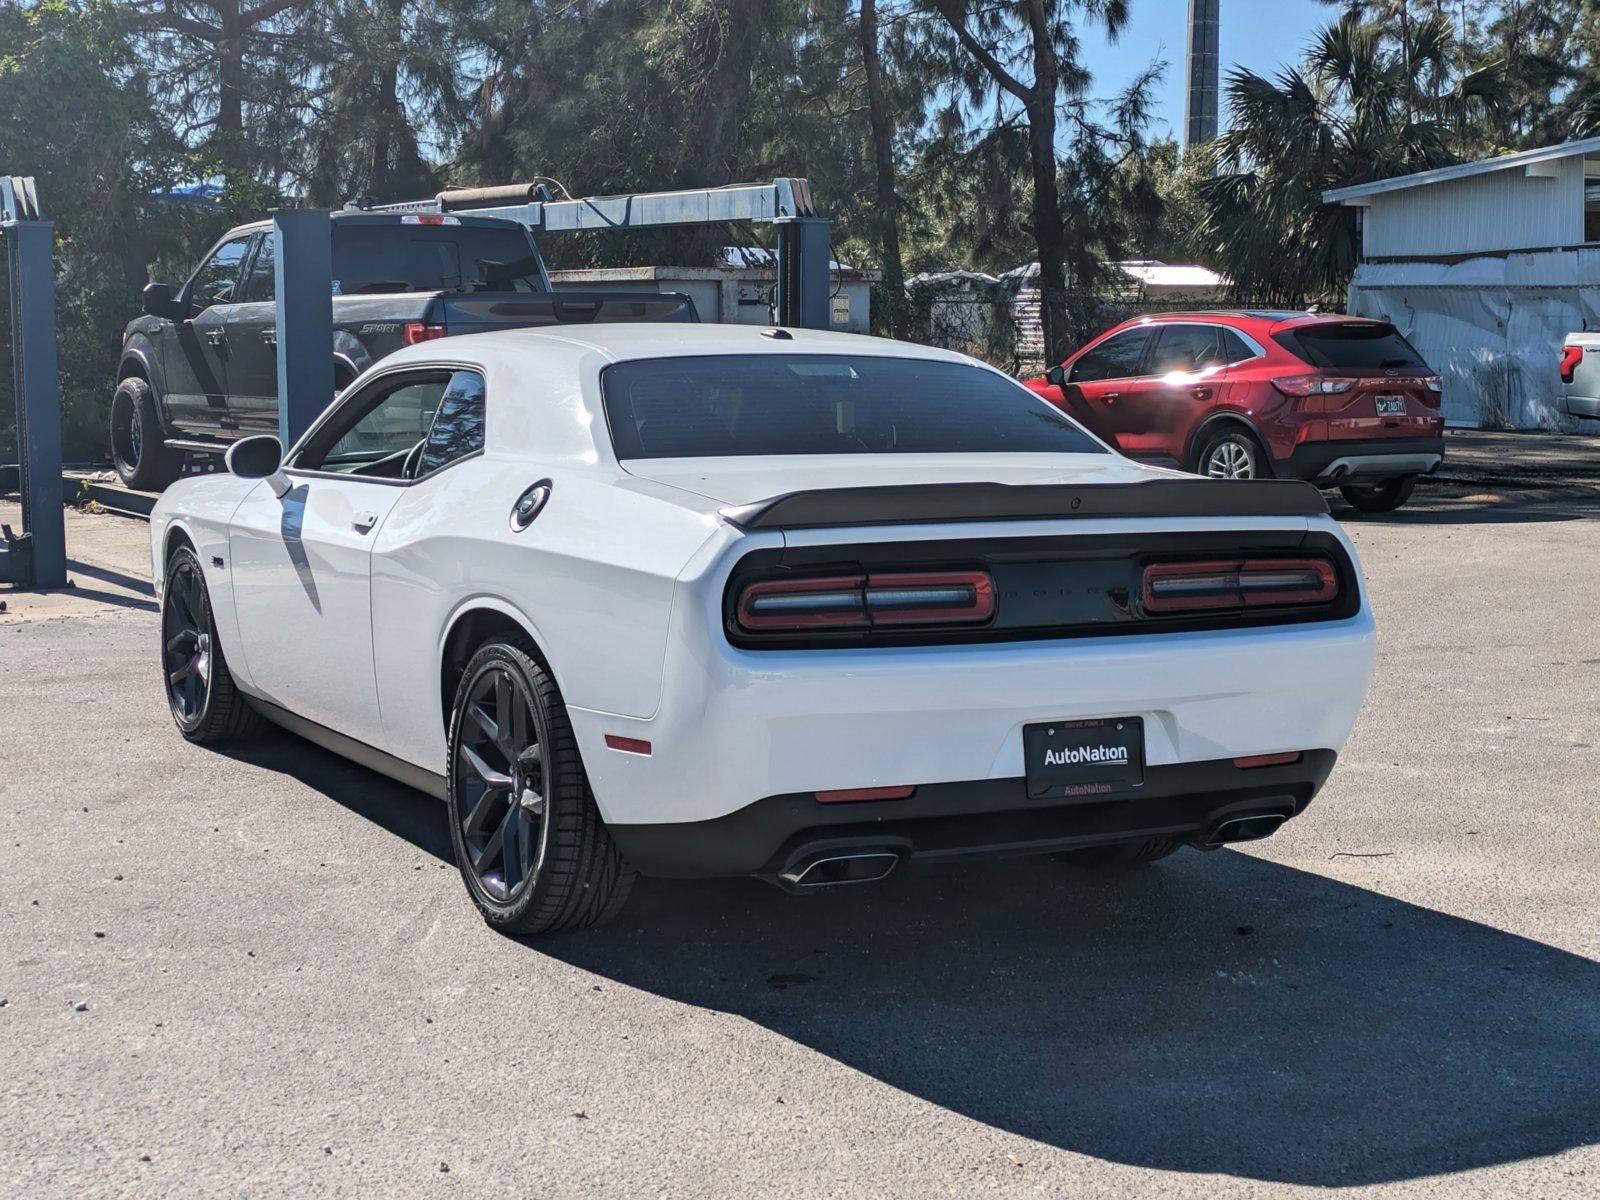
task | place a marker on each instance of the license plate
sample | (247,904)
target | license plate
(1084,758)
(1391,406)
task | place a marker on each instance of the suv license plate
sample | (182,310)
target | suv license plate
(1084,758)
(1391,406)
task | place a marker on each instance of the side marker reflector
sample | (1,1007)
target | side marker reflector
(1267,760)
(854,795)
(627,745)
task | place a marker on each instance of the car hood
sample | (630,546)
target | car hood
(746,480)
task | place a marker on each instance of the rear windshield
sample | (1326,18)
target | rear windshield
(1351,347)
(751,404)
(374,258)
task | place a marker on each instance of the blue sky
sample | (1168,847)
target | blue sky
(1259,34)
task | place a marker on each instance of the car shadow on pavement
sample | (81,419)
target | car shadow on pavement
(1216,1013)
(1448,504)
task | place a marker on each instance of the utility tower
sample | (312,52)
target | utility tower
(1200,106)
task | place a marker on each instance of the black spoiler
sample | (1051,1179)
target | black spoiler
(920,503)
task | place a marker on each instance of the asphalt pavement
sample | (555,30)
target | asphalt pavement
(256,973)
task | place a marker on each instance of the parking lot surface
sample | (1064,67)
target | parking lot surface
(257,973)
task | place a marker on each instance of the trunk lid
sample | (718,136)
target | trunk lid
(1394,392)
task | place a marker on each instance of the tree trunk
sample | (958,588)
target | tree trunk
(1049,234)
(894,287)
(229,132)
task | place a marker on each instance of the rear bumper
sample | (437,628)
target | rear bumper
(773,836)
(1583,406)
(1334,462)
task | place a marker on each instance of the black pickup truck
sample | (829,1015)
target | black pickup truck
(200,369)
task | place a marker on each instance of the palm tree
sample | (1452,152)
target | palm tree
(1363,106)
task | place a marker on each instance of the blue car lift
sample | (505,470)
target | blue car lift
(37,558)
(305,276)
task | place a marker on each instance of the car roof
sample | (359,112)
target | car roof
(620,341)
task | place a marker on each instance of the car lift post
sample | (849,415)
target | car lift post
(304,276)
(37,559)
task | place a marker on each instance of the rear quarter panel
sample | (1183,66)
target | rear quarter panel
(592,580)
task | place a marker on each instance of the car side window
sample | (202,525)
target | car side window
(1184,347)
(261,284)
(458,427)
(217,280)
(375,432)
(1117,357)
(1234,348)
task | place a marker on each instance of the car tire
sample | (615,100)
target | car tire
(1384,497)
(1124,855)
(515,777)
(1232,453)
(138,450)
(208,708)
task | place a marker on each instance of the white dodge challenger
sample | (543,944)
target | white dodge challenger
(710,600)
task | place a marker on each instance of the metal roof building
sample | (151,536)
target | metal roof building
(1487,266)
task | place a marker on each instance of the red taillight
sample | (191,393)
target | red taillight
(1235,584)
(865,601)
(415,332)
(1571,356)
(856,795)
(1313,385)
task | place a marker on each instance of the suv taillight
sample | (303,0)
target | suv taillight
(1220,584)
(415,332)
(1571,356)
(1313,385)
(900,599)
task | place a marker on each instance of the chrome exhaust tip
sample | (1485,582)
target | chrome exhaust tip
(1250,828)
(832,870)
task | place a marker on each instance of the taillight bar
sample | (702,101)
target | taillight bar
(1313,385)
(1213,585)
(864,601)
(415,332)
(1571,356)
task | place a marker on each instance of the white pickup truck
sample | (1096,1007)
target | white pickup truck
(1580,375)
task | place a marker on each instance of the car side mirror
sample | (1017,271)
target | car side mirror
(259,457)
(1056,376)
(159,301)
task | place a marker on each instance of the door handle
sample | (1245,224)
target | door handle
(270,334)
(364,521)
(216,336)
(1110,397)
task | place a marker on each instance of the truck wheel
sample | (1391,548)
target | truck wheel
(1385,497)
(528,838)
(138,450)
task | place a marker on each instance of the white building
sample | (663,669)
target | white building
(1486,267)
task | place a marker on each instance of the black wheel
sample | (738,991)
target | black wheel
(1381,498)
(1123,855)
(528,838)
(1232,453)
(138,452)
(200,691)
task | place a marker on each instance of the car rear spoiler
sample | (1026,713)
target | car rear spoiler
(922,503)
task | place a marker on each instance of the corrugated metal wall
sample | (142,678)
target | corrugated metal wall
(1504,210)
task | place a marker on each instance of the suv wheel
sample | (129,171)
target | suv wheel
(1232,454)
(141,457)
(1384,497)
(532,848)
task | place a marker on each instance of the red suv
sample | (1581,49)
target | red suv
(1340,401)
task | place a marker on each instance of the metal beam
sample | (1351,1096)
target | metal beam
(304,274)
(40,561)
(804,295)
(775,201)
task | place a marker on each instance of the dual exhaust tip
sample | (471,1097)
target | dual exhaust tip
(832,870)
